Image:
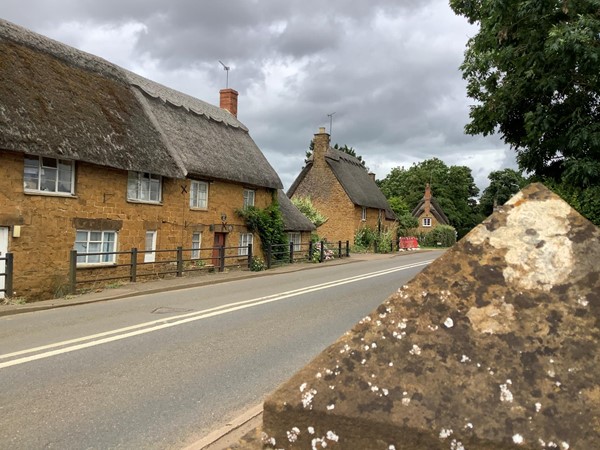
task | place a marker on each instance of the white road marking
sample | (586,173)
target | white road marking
(156,325)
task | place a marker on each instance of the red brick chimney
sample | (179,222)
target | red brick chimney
(427,199)
(229,100)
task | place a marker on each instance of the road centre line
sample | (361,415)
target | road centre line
(156,325)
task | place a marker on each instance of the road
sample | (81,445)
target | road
(160,371)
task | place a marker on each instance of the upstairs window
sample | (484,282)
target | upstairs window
(426,221)
(144,187)
(199,195)
(48,175)
(363,214)
(248,197)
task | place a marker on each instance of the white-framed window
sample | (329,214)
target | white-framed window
(144,187)
(296,239)
(199,195)
(363,214)
(426,221)
(196,244)
(89,241)
(150,256)
(245,239)
(248,197)
(48,175)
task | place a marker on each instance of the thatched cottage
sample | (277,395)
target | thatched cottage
(97,158)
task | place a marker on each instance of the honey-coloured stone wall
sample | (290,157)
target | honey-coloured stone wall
(48,223)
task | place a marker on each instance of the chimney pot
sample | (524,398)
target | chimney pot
(229,100)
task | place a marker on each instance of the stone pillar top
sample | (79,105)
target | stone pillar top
(495,345)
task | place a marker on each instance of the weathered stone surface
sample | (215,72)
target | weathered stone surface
(496,345)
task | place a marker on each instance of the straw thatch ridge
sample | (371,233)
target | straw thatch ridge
(61,102)
(293,219)
(434,208)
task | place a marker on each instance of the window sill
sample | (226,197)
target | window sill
(144,202)
(199,209)
(96,265)
(49,194)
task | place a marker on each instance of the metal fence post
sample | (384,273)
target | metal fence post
(221,259)
(340,249)
(73,272)
(347,248)
(249,256)
(133,268)
(8,275)
(310,251)
(179,262)
(322,255)
(375,247)
(291,253)
(269,252)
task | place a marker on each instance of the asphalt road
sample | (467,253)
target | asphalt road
(160,371)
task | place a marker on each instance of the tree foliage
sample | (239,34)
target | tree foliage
(306,207)
(533,70)
(268,223)
(452,186)
(503,185)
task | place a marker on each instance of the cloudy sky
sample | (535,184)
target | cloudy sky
(387,70)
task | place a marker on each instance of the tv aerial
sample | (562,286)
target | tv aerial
(226,68)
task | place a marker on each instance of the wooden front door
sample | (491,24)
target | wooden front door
(219,242)
(3,250)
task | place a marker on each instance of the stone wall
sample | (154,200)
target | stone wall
(48,223)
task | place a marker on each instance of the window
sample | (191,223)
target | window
(150,245)
(426,222)
(196,243)
(363,214)
(248,198)
(96,242)
(245,239)
(144,187)
(199,195)
(48,175)
(296,239)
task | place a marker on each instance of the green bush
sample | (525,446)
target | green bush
(384,241)
(257,265)
(364,238)
(268,223)
(439,236)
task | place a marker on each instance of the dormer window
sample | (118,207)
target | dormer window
(144,187)
(48,175)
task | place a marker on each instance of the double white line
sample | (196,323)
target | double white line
(156,325)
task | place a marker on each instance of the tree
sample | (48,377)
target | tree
(344,149)
(533,70)
(306,207)
(453,187)
(503,185)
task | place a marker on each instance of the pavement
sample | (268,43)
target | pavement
(189,280)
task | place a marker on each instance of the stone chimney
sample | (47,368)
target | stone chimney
(229,100)
(427,198)
(372,175)
(321,146)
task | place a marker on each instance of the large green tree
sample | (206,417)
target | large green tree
(452,186)
(534,70)
(503,185)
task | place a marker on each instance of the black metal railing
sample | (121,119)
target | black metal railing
(7,274)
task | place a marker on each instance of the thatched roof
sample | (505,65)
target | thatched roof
(354,179)
(434,208)
(64,103)
(293,219)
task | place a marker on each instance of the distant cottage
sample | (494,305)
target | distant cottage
(429,213)
(97,158)
(341,189)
